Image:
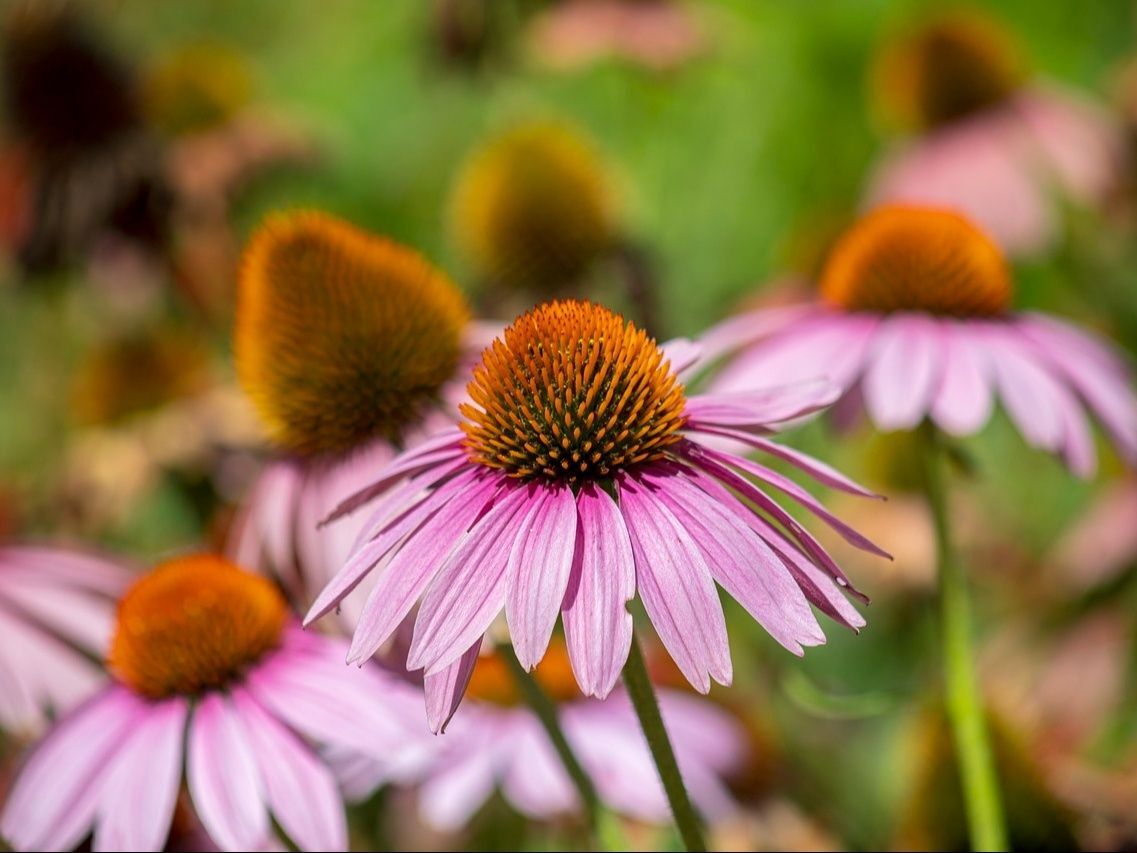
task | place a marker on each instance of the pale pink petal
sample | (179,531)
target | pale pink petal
(744,565)
(400,583)
(817,469)
(1025,387)
(965,398)
(597,623)
(904,371)
(65,568)
(535,781)
(469,589)
(262,538)
(746,329)
(52,804)
(451,797)
(763,407)
(676,587)
(682,354)
(444,690)
(142,781)
(224,783)
(538,569)
(300,788)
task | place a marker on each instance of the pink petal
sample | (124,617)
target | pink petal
(1026,388)
(445,689)
(817,469)
(963,403)
(433,452)
(224,783)
(404,579)
(904,371)
(745,329)
(763,407)
(676,587)
(453,795)
(137,802)
(744,565)
(469,589)
(681,353)
(300,788)
(535,781)
(597,623)
(52,804)
(538,570)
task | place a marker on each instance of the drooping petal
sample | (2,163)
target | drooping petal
(904,371)
(676,587)
(451,796)
(744,565)
(538,570)
(403,580)
(535,781)
(965,398)
(141,788)
(761,408)
(597,623)
(300,788)
(444,690)
(53,801)
(1026,389)
(224,782)
(469,589)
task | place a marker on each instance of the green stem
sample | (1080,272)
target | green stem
(601,824)
(982,801)
(647,709)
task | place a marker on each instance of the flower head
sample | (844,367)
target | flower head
(915,322)
(342,336)
(212,676)
(532,210)
(579,478)
(947,68)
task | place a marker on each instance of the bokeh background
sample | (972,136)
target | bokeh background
(121,426)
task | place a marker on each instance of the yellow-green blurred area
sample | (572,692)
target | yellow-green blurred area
(729,172)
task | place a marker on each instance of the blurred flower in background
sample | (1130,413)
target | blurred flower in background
(990,141)
(210,674)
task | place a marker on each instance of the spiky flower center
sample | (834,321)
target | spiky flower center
(493,682)
(532,209)
(342,336)
(572,392)
(194,623)
(901,258)
(947,69)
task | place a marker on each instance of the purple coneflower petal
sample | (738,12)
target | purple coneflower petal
(224,782)
(1027,391)
(821,472)
(747,328)
(744,565)
(682,353)
(469,589)
(53,801)
(538,571)
(142,781)
(759,409)
(77,616)
(451,797)
(537,785)
(300,788)
(964,401)
(444,690)
(676,587)
(904,371)
(597,623)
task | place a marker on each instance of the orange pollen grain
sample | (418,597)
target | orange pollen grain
(901,258)
(493,682)
(572,392)
(342,336)
(194,623)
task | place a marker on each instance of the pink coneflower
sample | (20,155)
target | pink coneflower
(350,347)
(56,614)
(991,142)
(211,674)
(578,479)
(914,322)
(498,743)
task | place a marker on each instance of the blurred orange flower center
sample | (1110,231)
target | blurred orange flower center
(917,259)
(493,682)
(948,69)
(342,336)
(572,392)
(194,623)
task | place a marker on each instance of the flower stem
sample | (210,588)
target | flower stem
(647,709)
(986,824)
(602,824)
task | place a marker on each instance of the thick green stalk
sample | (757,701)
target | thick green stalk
(982,801)
(647,709)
